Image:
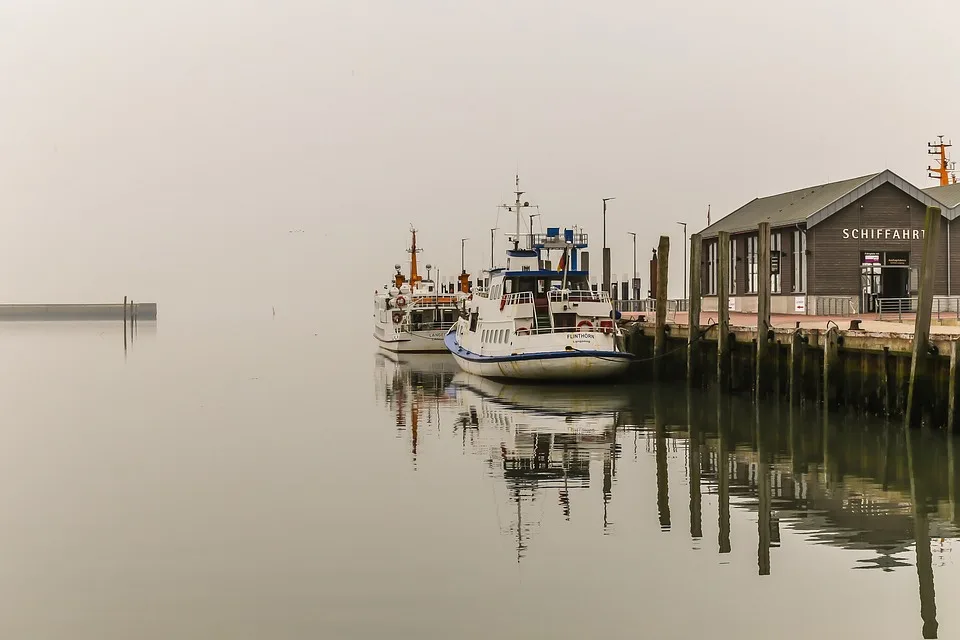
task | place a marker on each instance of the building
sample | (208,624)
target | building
(840,247)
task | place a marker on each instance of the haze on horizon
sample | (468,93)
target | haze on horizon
(184,141)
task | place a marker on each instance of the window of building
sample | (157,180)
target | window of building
(712,249)
(733,267)
(799,261)
(752,274)
(775,251)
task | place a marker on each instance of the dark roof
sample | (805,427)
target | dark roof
(811,205)
(948,195)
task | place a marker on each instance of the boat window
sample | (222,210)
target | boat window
(499,335)
(473,322)
(509,285)
(508,335)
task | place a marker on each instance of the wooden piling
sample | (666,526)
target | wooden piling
(763,367)
(952,389)
(796,360)
(124,314)
(885,380)
(919,378)
(693,307)
(831,368)
(660,339)
(723,311)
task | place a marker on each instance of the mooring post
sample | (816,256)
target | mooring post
(796,358)
(723,473)
(124,314)
(831,369)
(660,340)
(693,308)
(919,377)
(952,398)
(885,380)
(764,377)
(723,311)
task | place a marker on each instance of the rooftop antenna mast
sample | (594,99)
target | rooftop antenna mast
(941,173)
(516,207)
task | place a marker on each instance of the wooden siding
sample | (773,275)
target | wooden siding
(834,263)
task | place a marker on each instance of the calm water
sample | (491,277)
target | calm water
(259,476)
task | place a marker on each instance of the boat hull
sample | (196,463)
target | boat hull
(551,365)
(413,342)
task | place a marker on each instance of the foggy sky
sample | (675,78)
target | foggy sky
(167,149)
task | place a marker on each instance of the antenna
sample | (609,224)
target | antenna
(942,172)
(515,208)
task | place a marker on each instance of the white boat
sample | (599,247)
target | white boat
(410,314)
(537,322)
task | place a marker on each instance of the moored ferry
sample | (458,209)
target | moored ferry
(410,314)
(536,321)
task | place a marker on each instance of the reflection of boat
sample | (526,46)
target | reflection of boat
(538,322)
(412,315)
(550,436)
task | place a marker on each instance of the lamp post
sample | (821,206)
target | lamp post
(462,242)
(606,251)
(633,283)
(684,225)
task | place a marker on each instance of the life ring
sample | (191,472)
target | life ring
(584,323)
(400,301)
(522,331)
(397,317)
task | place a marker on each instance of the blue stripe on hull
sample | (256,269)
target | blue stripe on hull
(451,342)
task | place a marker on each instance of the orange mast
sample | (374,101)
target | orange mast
(941,173)
(413,251)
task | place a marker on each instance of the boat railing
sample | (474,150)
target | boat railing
(581,329)
(578,295)
(521,297)
(428,326)
(434,301)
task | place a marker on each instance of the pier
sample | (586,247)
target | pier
(906,369)
(146,311)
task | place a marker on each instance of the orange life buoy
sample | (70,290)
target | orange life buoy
(400,301)
(584,323)
(522,331)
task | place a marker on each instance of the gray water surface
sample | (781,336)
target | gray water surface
(261,476)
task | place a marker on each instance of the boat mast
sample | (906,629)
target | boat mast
(515,207)
(413,251)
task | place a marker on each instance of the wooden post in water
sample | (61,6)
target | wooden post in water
(831,369)
(693,307)
(952,390)
(693,465)
(723,311)
(919,378)
(124,314)
(723,473)
(885,380)
(764,376)
(796,358)
(660,340)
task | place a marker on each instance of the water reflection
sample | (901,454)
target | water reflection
(831,480)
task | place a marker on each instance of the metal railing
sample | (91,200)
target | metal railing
(426,326)
(578,295)
(943,307)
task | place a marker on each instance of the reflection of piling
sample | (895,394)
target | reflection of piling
(663,491)
(693,465)
(723,475)
(921,529)
(763,498)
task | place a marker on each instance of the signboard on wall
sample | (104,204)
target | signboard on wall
(898,259)
(871,258)
(775,263)
(883,234)
(800,304)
